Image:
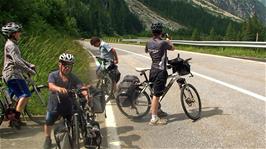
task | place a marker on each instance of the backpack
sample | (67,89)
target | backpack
(98,100)
(93,137)
(127,90)
(62,137)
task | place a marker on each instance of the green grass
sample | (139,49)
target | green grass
(44,51)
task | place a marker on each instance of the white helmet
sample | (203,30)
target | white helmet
(65,57)
(10,28)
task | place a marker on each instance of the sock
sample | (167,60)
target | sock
(17,116)
(154,117)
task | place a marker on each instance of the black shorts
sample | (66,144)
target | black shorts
(159,78)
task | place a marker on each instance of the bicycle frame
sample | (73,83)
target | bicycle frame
(173,78)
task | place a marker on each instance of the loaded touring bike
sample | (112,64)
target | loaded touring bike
(190,99)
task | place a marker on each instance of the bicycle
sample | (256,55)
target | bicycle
(190,99)
(105,81)
(83,123)
(35,107)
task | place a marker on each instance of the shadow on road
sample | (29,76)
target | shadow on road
(206,112)
(126,140)
(25,131)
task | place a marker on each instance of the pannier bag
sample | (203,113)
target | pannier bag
(62,137)
(179,65)
(127,90)
(98,101)
(93,137)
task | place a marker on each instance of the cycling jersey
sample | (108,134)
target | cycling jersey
(157,49)
(14,65)
(106,51)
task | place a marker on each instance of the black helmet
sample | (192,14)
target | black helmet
(157,27)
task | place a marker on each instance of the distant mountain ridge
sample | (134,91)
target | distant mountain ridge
(243,9)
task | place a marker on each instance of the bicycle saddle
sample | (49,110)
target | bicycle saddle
(138,69)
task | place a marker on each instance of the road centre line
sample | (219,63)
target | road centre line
(244,91)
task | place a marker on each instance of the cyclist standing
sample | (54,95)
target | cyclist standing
(14,66)
(59,103)
(107,52)
(157,48)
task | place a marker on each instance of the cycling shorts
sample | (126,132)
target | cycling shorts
(51,117)
(158,78)
(19,88)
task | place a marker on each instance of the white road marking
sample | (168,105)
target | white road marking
(244,91)
(113,139)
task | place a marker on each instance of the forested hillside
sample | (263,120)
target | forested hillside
(86,17)
(205,26)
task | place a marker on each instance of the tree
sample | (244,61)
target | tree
(195,35)
(230,33)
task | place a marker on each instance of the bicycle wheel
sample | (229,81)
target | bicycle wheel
(37,104)
(75,133)
(138,109)
(2,112)
(190,100)
(107,87)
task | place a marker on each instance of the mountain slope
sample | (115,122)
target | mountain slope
(243,9)
(148,16)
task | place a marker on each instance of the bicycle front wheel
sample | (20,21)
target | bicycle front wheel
(190,100)
(75,133)
(37,104)
(139,107)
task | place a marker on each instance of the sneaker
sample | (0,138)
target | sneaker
(47,143)
(161,113)
(14,124)
(158,121)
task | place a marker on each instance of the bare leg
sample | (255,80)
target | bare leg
(21,104)
(154,105)
(47,131)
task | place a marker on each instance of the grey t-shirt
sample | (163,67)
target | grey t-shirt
(106,51)
(65,101)
(157,49)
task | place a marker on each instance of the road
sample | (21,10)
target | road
(233,99)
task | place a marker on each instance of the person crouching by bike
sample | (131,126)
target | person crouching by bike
(59,103)
(14,66)
(157,48)
(108,52)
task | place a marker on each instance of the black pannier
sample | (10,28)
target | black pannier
(93,137)
(179,65)
(127,90)
(98,101)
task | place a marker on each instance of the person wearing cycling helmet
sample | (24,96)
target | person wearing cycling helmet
(109,53)
(59,103)
(157,48)
(14,66)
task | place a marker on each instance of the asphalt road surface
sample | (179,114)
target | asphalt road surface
(233,99)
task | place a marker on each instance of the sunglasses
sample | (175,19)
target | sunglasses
(67,65)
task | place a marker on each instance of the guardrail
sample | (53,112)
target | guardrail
(243,44)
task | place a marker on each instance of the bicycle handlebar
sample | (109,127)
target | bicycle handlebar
(104,59)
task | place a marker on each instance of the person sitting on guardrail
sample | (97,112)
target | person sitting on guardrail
(157,48)
(14,66)
(59,103)
(108,52)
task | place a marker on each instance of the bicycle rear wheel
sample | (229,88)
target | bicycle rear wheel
(139,108)
(2,112)
(190,100)
(37,104)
